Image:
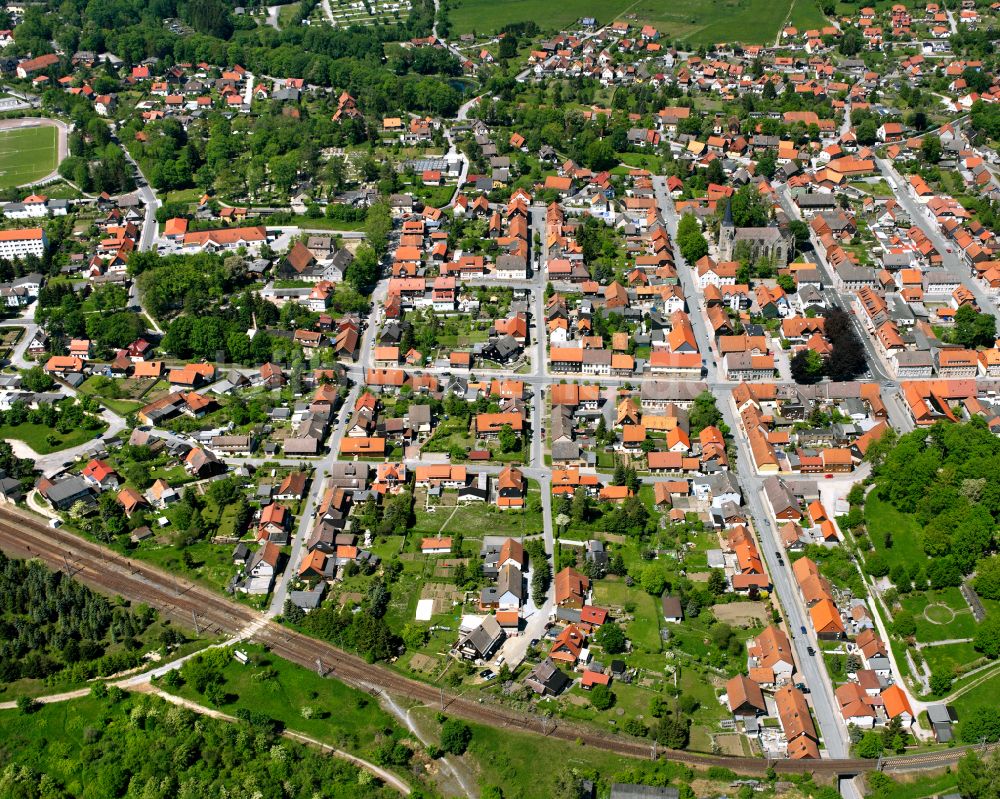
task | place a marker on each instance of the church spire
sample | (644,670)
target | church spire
(727,220)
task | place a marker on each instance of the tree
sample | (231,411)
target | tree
(979,779)
(851,43)
(717,582)
(455,736)
(600,155)
(847,360)
(987,583)
(509,440)
(673,732)
(987,638)
(580,509)
(704,413)
(787,284)
(871,745)
(35,379)
(653,580)
(27,705)
(806,366)
(693,246)
(940,684)
(611,638)
(930,148)
(363,271)
(904,624)
(601,697)
(749,207)
(973,328)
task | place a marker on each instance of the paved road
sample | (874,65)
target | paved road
(951,261)
(810,668)
(307,516)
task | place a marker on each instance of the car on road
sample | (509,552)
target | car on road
(534,642)
(828,476)
(802,629)
(810,650)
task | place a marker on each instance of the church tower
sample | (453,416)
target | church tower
(727,234)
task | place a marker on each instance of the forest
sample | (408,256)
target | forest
(50,623)
(116,744)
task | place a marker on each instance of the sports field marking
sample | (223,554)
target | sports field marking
(27,154)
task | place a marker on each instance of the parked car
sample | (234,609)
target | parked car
(810,650)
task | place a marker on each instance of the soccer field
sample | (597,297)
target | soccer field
(27,154)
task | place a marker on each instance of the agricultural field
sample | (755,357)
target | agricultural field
(488,16)
(27,154)
(692,22)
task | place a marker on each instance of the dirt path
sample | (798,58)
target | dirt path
(45,700)
(386,776)
(990,674)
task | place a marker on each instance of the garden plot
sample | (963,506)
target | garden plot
(353,12)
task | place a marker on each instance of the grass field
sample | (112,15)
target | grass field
(882,518)
(27,154)
(36,436)
(341,716)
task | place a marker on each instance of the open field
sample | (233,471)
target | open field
(27,154)
(488,16)
(36,436)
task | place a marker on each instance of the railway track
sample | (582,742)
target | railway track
(187,603)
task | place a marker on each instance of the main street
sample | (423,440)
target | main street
(951,261)
(811,669)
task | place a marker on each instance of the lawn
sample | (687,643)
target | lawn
(882,518)
(341,716)
(27,154)
(940,615)
(983,695)
(807,14)
(644,629)
(209,564)
(322,223)
(449,433)
(120,395)
(477,518)
(950,658)
(36,436)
